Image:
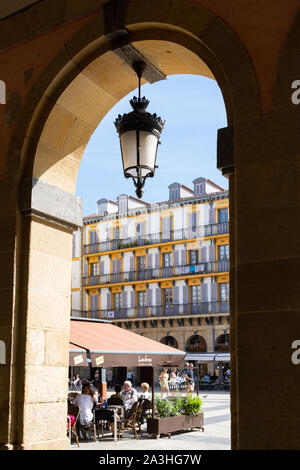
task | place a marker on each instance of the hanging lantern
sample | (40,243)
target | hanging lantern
(139,133)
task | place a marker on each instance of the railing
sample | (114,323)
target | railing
(161,237)
(201,308)
(158,273)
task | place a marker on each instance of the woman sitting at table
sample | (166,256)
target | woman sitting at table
(86,402)
(145,395)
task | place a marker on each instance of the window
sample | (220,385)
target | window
(141,263)
(168,297)
(224,291)
(141,266)
(223,252)
(199,189)
(116,234)
(117,301)
(94,269)
(194,221)
(223,215)
(174,194)
(142,298)
(123,204)
(167,260)
(196,294)
(140,229)
(193,256)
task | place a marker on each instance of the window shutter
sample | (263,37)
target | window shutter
(211,253)
(132,298)
(157,260)
(176,258)
(158,296)
(176,295)
(149,297)
(149,261)
(101,267)
(185,294)
(118,265)
(86,268)
(143,229)
(214,292)
(124,231)
(124,299)
(203,254)
(108,300)
(190,225)
(166,227)
(91,303)
(183,257)
(204,293)
(131,263)
(211,216)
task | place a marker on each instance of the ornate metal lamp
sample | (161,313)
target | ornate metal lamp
(139,133)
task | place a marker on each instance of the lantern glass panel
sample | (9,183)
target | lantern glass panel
(148,148)
(128,146)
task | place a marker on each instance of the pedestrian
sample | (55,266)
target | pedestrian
(109,377)
(163,382)
(173,382)
(190,379)
(182,382)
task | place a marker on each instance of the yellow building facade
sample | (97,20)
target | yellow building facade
(161,270)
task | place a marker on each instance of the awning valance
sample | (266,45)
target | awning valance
(108,345)
(208,357)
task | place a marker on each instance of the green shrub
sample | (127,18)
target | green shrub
(177,406)
(165,408)
(191,405)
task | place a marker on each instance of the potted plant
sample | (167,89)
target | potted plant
(175,414)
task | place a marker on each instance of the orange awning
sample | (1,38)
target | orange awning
(111,346)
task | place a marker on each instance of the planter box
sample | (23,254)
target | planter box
(159,426)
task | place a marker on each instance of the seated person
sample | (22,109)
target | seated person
(86,402)
(116,398)
(129,395)
(103,414)
(206,378)
(145,395)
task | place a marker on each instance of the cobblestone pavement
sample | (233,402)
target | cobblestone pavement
(216,435)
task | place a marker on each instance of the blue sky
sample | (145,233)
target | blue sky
(194,110)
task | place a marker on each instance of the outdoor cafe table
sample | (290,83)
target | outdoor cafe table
(114,409)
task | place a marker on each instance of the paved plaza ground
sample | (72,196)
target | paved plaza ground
(216,435)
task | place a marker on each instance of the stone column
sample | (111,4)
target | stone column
(267,280)
(39,360)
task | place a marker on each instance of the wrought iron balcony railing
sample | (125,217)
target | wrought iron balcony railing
(154,238)
(202,308)
(158,273)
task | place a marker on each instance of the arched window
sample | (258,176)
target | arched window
(169,341)
(222,343)
(196,344)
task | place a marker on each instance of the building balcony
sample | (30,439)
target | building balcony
(210,267)
(157,238)
(202,308)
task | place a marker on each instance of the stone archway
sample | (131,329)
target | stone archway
(196,344)
(79,84)
(222,343)
(170,341)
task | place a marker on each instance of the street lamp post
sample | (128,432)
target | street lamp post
(139,133)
